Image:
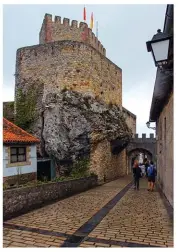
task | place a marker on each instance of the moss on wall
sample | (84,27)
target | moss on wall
(26,106)
(8,110)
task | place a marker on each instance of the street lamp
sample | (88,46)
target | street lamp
(159,47)
(148,125)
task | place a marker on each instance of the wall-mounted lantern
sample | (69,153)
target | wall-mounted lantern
(159,47)
(148,125)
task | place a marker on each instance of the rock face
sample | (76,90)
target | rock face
(73,123)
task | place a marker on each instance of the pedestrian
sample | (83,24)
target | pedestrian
(142,166)
(151,172)
(137,174)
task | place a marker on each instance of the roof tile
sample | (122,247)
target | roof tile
(14,134)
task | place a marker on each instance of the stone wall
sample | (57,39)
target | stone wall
(143,143)
(22,200)
(71,65)
(55,30)
(165,154)
(21,179)
(106,165)
(123,163)
(130,120)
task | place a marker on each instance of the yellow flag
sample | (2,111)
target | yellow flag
(92,21)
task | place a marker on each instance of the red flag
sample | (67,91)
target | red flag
(84,14)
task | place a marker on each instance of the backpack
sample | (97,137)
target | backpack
(151,170)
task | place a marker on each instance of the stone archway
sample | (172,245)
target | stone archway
(131,155)
(140,145)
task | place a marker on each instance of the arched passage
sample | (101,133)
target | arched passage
(133,154)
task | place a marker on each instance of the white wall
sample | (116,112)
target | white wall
(11,171)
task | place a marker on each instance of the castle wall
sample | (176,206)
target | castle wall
(72,65)
(130,120)
(69,56)
(55,30)
(105,164)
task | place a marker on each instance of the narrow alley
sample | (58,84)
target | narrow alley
(111,215)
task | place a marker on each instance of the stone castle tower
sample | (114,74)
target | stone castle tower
(68,57)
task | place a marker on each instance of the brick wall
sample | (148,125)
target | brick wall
(165,158)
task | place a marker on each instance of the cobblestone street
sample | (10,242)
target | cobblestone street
(111,215)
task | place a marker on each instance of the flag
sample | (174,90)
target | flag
(91,24)
(84,14)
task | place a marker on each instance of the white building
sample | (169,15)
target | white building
(19,154)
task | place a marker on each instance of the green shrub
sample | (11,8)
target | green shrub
(80,168)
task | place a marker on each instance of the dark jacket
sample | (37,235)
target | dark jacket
(137,172)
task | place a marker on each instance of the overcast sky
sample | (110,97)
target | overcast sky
(123,31)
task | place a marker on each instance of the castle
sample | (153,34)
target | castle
(69,57)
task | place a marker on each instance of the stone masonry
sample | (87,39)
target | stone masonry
(69,64)
(70,57)
(58,31)
(130,120)
(165,158)
(145,145)
(21,200)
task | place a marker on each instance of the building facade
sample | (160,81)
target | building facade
(19,155)
(162,113)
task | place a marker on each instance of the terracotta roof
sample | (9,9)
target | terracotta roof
(14,134)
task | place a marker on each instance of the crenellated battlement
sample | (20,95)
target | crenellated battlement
(57,30)
(136,136)
(142,144)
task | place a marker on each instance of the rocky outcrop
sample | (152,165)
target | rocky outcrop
(74,122)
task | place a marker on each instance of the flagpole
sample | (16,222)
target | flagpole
(97,29)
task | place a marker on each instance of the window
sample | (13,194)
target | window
(18,154)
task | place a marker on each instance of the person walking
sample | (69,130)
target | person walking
(137,174)
(142,166)
(151,172)
(146,167)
